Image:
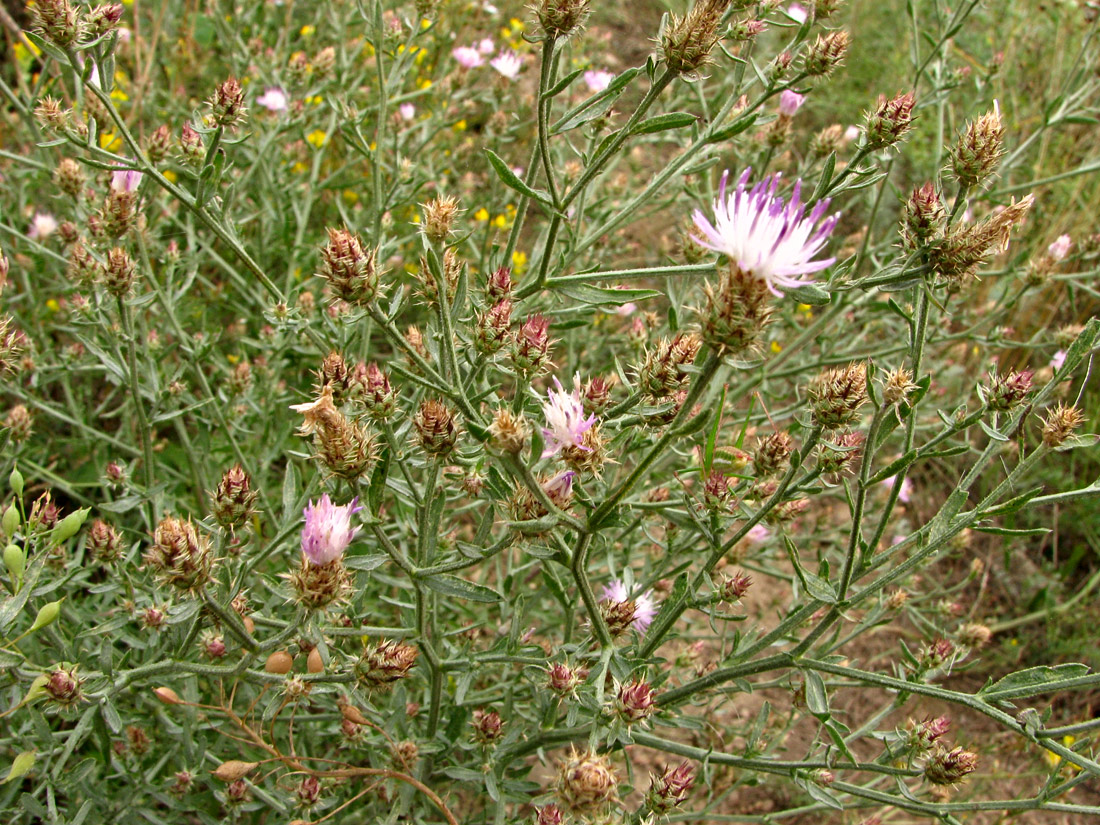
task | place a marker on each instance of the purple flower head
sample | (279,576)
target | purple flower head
(1060,248)
(766,236)
(467,57)
(1058,359)
(565,420)
(508,64)
(645,608)
(126,180)
(273,99)
(328,531)
(790,102)
(486,45)
(597,80)
(560,487)
(43,224)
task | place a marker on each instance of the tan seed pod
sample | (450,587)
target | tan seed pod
(167,695)
(353,714)
(233,770)
(249,625)
(314,664)
(279,662)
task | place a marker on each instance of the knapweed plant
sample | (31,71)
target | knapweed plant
(450,413)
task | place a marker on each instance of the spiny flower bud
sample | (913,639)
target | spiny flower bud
(487,726)
(69,176)
(548,815)
(923,735)
(828,140)
(212,645)
(234,499)
(387,662)
(60,22)
(670,789)
(104,542)
(13,343)
(159,144)
(439,218)
(837,394)
(773,453)
(335,373)
(687,41)
(351,271)
(499,285)
(841,454)
(493,327)
(531,346)
(936,654)
(436,428)
(897,386)
(509,432)
(596,395)
(560,18)
(890,120)
(716,492)
(20,423)
(664,371)
(63,687)
(979,148)
(307,792)
(736,312)
(743,30)
(826,53)
(949,767)
(586,782)
(1060,423)
(374,388)
(562,679)
(179,556)
(590,455)
(634,702)
(974,635)
(1004,392)
(192,148)
(103,19)
(227,104)
(119,272)
(735,587)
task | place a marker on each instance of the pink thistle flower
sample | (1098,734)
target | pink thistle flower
(273,99)
(797,12)
(645,608)
(758,533)
(407,111)
(126,180)
(486,46)
(43,224)
(565,420)
(328,531)
(467,57)
(790,102)
(906,491)
(508,64)
(1058,359)
(1060,248)
(765,236)
(597,80)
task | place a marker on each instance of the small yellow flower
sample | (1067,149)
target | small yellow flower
(110,141)
(350,196)
(519,261)
(119,95)
(460,126)
(368,50)
(421,56)
(52,305)
(500,222)
(307,30)
(401,49)
(232,359)
(170,176)
(481,215)
(299,168)
(516,24)
(425,23)
(423,83)
(315,100)
(776,346)
(412,268)
(317,138)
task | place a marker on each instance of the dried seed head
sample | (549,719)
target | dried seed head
(957,256)
(979,149)
(736,312)
(590,455)
(560,18)
(670,789)
(119,272)
(586,783)
(837,394)
(949,767)
(439,218)
(773,453)
(234,498)
(663,372)
(13,344)
(436,428)
(350,270)
(51,115)
(897,386)
(227,104)
(508,431)
(307,792)
(840,453)
(385,663)
(973,635)
(687,41)
(1060,424)
(63,687)
(70,178)
(827,53)
(60,22)
(180,556)
(890,120)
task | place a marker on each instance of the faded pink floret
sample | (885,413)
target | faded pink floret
(767,237)
(508,64)
(906,491)
(126,180)
(467,57)
(42,226)
(1060,248)
(566,423)
(273,99)
(758,533)
(407,111)
(797,12)
(486,46)
(328,531)
(597,80)
(645,608)
(790,102)
(1058,359)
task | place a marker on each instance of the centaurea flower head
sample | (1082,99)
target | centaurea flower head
(508,64)
(765,236)
(645,608)
(790,102)
(566,423)
(125,180)
(273,99)
(467,57)
(597,80)
(328,531)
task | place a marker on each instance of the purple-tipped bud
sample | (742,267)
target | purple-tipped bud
(827,53)
(386,663)
(634,702)
(562,679)
(227,103)
(670,789)
(949,767)
(890,120)
(531,347)
(1004,392)
(837,394)
(487,726)
(499,286)
(979,149)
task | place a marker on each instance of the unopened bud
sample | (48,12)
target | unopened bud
(227,104)
(979,149)
(890,120)
(837,394)
(439,218)
(949,767)
(560,18)
(436,428)
(826,53)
